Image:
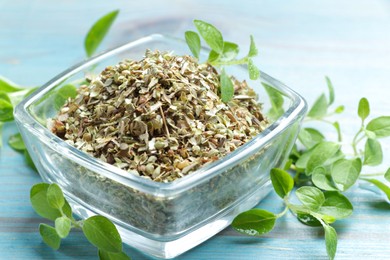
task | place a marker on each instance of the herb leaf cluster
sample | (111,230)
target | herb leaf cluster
(323,171)
(49,202)
(222,53)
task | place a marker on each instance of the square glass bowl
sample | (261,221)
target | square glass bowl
(161,219)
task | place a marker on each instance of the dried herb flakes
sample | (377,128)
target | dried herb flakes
(160,118)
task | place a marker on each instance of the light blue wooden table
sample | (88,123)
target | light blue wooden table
(299,42)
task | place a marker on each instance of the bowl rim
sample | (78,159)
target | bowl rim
(24,119)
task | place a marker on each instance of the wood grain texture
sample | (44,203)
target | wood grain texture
(300,41)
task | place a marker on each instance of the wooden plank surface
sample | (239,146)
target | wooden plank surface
(299,42)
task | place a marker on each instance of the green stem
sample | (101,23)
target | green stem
(355,141)
(365,175)
(231,62)
(281,214)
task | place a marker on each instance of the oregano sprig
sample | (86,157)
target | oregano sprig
(49,202)
(223,53)
(326,170)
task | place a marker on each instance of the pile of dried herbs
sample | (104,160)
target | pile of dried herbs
(161,117)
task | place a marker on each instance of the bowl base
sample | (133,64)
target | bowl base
(173,248)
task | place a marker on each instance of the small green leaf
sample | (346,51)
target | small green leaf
(322,179)
(5,96)
(7,86)
(363,109)
(370,134)
(380,126)
(6,111)
(213,56)
(211,35)
(103,234)
(49,236)
(29,160)
(309,137)
(62,226)
(254,72)
(331,90)
(321,154)
(38,198)
(339,109)
(252,48)
(16,142)
(330,241)
(62,95)
(227,87)
(282,181)
(311,197)
(230,51)
(254,222)
(373,152)
(380,185)
(335,205)
(319,108)
(104,255)
(387,175)
(193,42)
(308,220)
(55,197)
(276,99)
(345,172)
(98,31)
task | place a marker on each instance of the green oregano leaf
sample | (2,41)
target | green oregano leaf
(373,154)
(98,31)
(227,87)
(193,42)
(380,185)
(104,255)
(254,72)
(319,108)
(254,222)
(335,205)
(308,220)
(345,172)
(6,111)
(62,226)
(16,142)
(103,234)
(50,236)
(321,178)
(276,99)
(330,241)
(7,86)
(309,137)
(363,109)
(321,154)
(62,95)
(311,197)
(380,126)
(211,35)
(282,182)
(331,90)
(387,175)
(38,198)
(252,48)
(55,197)
(339,109)
(230,51)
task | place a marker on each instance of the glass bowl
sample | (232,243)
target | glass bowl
(161,219)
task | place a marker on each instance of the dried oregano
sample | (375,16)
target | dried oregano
(160,118)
